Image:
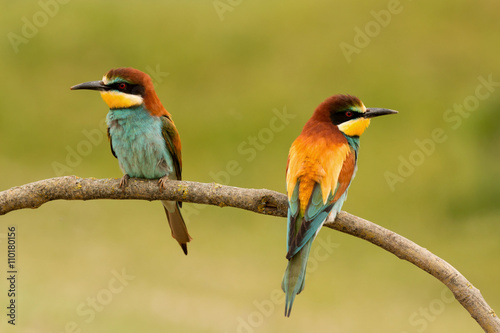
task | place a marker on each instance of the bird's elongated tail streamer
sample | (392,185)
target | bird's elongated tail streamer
(177,225)
(294,278)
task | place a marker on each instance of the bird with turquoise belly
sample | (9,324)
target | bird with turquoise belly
(142,135)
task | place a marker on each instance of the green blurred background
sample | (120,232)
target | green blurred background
(224,70)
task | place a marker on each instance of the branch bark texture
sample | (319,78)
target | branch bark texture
(261,201)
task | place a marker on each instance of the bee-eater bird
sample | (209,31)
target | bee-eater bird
(142,135)
(321,165)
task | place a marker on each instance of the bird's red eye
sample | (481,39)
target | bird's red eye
(348,114)
(122,86)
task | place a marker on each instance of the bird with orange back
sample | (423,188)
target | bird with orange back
(321,165)
(142,135)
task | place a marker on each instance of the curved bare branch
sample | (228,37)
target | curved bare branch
(261,201)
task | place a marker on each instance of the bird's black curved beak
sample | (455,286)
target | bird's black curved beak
(375,112)
(92,85)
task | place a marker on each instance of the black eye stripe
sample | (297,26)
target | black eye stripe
(340,117)
(128,88)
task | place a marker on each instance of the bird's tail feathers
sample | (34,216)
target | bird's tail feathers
(295,274)
(177,225)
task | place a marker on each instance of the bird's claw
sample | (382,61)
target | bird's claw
(162,181)
(124,181)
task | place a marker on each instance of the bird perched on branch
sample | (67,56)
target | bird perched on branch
(142,135)
(321,165)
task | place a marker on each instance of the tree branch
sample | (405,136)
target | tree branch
(261,201)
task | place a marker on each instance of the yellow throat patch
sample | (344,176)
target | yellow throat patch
(119,100)
(354,127)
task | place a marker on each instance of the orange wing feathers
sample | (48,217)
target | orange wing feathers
(346,175)
(319,155)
